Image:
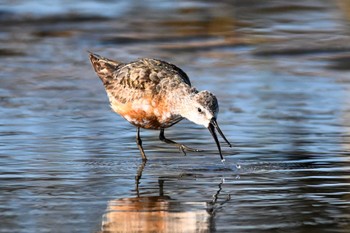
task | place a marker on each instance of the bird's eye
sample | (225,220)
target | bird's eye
(199,110)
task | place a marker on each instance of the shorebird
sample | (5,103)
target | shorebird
(154,94)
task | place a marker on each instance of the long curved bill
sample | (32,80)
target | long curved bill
(212,126)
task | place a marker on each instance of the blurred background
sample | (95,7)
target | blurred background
(281,72)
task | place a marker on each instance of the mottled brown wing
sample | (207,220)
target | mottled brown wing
(144,77)
(169,69)
(146,73)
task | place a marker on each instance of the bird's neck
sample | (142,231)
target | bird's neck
(181,98)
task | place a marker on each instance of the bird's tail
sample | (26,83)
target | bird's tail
(103,67)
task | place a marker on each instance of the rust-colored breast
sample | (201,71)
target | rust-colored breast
(147,113)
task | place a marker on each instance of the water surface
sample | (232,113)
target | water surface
(280,72)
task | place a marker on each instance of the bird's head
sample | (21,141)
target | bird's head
(203,109)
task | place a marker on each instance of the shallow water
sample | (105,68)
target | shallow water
(279,70)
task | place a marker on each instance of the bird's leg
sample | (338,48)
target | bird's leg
(139,144)
(138,176)
(181,147)
(213,206)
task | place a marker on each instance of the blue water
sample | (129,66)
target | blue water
(280,71)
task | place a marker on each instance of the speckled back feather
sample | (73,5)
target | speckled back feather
(139,78)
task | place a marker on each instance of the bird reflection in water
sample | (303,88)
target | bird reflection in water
(160,213)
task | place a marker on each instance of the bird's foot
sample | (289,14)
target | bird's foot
(184,148)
